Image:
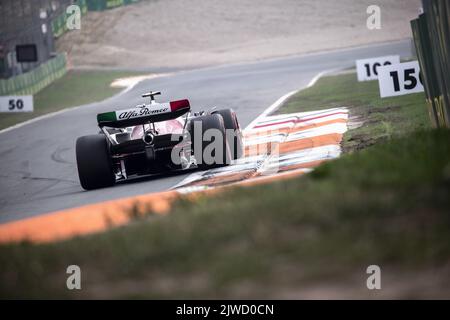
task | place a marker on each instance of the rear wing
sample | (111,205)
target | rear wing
(153,112)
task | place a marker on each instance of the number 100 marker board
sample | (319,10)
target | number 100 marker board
(367,69)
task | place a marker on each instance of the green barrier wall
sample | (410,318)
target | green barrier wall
(31,82)
(59,24)
(431,32)
(99,5)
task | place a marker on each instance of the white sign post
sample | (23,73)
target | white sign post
(367,69)
(400,79)
(16,103)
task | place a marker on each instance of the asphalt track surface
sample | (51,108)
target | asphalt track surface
(38,171)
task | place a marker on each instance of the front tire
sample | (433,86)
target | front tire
(94,162)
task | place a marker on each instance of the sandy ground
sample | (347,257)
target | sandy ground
(193,33)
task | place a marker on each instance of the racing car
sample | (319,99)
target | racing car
(156,138)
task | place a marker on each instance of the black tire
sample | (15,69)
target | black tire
(235,141)
(211,121)
(94,162)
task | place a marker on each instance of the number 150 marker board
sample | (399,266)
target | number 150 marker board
(400,79)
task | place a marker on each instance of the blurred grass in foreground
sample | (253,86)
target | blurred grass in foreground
(312,236)
(73,89)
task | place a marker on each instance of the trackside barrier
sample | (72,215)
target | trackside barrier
(31,82)
(59,24)
(100,5)
(431,33)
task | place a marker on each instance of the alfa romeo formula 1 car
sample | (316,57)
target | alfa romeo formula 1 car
(156,138)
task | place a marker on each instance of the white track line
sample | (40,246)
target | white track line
(277,104)
(270,109)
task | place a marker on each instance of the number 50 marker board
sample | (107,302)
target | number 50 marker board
(400,79)
(16,103)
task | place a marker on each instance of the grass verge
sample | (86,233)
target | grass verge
(73,89)
(306,237)
(379,119)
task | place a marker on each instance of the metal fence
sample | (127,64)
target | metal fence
(431,33)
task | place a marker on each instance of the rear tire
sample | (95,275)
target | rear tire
(94,162)
(211,121)
(234,141)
